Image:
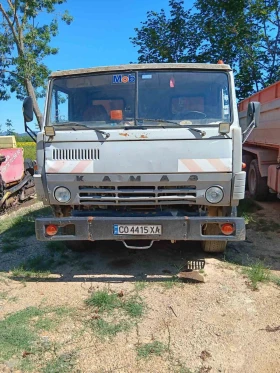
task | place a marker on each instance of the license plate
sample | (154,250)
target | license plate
(137,230)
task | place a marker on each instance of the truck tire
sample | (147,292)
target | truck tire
(256,183)
(213,246)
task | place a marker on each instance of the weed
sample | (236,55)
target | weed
(257,273)
(104,301)
(105,329)
(169,284)
(149,349)
(248,218)
(274,279)
(140,285)
(133,307)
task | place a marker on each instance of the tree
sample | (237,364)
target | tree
(243,33)
(24,44)
(163,39)
(246,35)
(10,128)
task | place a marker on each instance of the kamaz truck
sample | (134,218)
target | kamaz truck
(141,153)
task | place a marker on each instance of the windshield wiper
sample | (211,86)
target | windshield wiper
(75,124)
(203,133)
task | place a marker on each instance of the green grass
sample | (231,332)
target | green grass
(258,272)
(264,225)
(103,328)
(10,246)
(16,335)
(247,206)
(22,226)
(104,301)
(61,364)
(29,151)
(38,266)
(148,350)
(118,312)
(57,246)
(133,307)
(19,330)
(107,302)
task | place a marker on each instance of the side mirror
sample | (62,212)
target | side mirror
(252,119)
(253,113)
(27,109)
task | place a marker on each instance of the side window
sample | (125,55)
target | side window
(60,107)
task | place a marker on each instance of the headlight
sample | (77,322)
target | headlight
(62,195)
(214,194)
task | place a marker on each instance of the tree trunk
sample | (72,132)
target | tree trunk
(31,93)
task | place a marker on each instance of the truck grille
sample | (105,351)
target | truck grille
(75,154)
(141,195)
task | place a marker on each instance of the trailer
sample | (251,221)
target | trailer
(261,150)
(16,174)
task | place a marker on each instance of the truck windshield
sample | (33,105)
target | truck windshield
(128,98)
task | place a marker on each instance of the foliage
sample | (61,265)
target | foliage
(244,34)
(162,39)
(25,43)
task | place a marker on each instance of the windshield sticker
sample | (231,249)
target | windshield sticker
(123,79)
(146,76)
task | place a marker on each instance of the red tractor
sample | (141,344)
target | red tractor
(16,174)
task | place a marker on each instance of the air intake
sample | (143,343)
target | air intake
(75,154)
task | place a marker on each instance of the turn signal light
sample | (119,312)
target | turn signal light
(51,230)
(227,229)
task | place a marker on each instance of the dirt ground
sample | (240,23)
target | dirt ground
(220,325)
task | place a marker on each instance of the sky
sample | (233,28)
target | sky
(98,36)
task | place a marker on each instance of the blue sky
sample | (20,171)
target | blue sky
(98,36)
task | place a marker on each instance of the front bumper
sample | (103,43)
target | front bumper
(173,228)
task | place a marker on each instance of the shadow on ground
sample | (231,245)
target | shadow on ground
(24,257)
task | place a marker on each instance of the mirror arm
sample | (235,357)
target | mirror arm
(29,131)
(248,131)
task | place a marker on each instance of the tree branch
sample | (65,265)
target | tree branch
(19,28)
(2,10)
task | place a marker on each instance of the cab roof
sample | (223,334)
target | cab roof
(145,66)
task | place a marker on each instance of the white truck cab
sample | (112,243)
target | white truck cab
(141,153)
